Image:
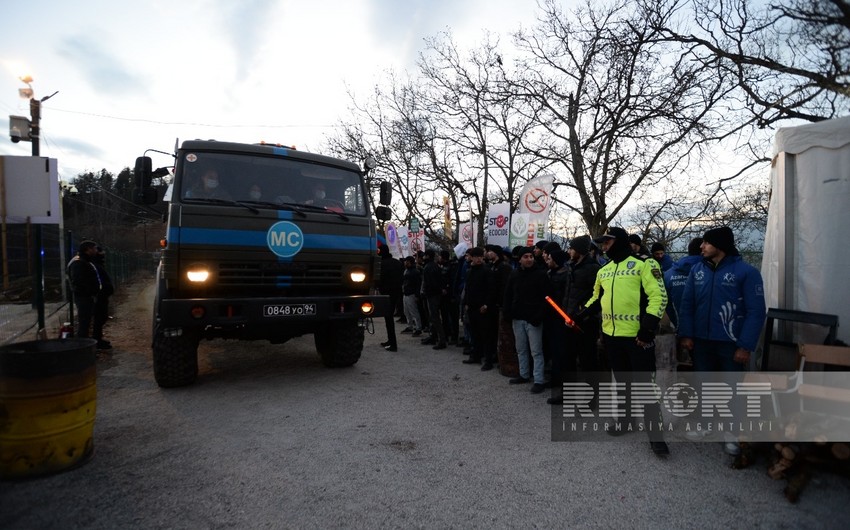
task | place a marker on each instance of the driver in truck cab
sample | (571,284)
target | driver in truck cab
(208,186)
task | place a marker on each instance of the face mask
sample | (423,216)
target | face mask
(212,184)
(256,195)
(320,194)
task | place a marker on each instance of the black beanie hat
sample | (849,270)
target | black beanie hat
(694,247)
(722,238)
(540,244)
(581,244)
(656,247)
(559,257)
(635,239)
(551,247)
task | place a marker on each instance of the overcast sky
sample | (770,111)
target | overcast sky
(138,75)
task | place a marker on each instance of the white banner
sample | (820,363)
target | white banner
(536,196)
(526,230)
(404,241)
(467,234)
(417,241)
(393,241)
(498,224)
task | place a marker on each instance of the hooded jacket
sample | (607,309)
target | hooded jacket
(674,281)
(723,303)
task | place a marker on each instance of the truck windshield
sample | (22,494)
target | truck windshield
(270,181)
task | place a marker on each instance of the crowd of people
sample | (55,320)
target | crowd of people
(498,304)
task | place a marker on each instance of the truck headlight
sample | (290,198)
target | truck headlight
(357,276)
(197,274)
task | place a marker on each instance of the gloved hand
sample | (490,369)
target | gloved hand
(646,335)
(648,327)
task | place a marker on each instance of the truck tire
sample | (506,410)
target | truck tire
(340,345)
(175,360)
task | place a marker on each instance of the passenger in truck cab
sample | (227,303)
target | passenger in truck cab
(207,186)
(318,197)
(255,192)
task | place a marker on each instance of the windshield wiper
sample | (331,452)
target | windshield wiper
(280,206)
(325,209)
(215,200)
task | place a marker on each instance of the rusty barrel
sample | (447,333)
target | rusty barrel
(508,361)
(48,393)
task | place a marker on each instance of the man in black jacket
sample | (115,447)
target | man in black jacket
(502,271)
(86,285)
(580,345)
(434,289)
(411,284)
(101,305)
(479,304)
(390,285)
(525,305)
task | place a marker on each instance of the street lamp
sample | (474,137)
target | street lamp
(21,129)
(32,136)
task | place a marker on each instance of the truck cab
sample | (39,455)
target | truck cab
(262,242)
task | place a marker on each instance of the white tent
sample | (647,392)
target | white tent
(807,244)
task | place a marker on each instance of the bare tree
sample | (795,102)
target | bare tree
(625,110)
(481,119)
(790,58)
(394,127)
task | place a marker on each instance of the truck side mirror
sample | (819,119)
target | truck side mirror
(142,174)
(383,213)
(145,196)
(386,193)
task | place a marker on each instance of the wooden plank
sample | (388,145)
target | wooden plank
(827,393)
(819,353)
(777,381)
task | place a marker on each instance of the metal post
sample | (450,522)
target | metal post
(39,282)
(38,279)
(35,114)
(69,245)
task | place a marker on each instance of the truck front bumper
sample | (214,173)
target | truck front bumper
(237,312)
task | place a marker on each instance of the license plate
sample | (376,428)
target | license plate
(289,310)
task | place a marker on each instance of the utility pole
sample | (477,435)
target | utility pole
(38,254)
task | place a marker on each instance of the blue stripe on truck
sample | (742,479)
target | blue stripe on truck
(254,238)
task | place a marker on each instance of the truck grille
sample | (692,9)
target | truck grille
(275,274)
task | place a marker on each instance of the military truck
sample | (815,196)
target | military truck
(263,242)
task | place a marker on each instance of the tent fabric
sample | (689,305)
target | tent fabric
(830,134)
(807,243)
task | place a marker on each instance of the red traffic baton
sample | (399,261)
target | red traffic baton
(570,322)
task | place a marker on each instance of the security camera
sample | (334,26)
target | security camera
(19,129)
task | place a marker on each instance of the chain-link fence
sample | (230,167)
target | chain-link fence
(18,307)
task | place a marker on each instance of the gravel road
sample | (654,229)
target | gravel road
(269,438)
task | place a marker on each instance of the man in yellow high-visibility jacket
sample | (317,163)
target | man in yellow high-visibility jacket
(630,293)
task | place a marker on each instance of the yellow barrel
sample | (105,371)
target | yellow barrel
(48,394)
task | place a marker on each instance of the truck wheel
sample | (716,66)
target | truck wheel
(175,360)
(340,345)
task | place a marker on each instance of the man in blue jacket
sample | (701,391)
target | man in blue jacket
(676,277)
(723,309)
(659,254)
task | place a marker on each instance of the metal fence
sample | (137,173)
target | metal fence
(18,307)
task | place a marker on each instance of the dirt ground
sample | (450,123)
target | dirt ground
(270,438)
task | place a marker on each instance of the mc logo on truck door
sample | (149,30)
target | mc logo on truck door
(285,239)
